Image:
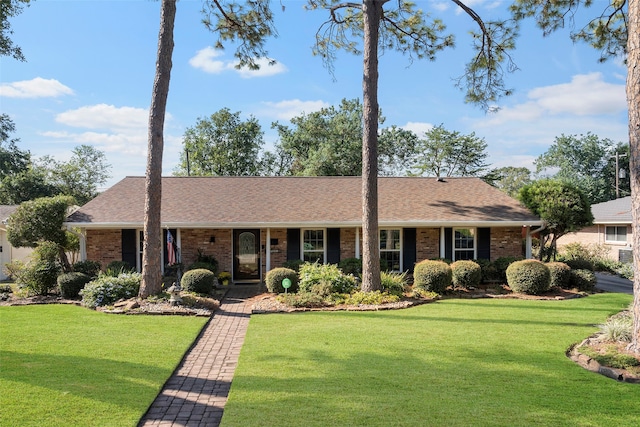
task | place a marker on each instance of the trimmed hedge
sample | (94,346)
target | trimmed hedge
(529,276)
(583,280)
(274,279)
(466,274)
(200,281)
(434,276)
(70,284)
(560,274)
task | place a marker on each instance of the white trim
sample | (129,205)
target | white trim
(357,252)
(453,242)
(443,243)
(616,242)
(400,250)
(268,251)
(324,243)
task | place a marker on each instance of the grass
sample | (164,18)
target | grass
(64,365)
(451,363)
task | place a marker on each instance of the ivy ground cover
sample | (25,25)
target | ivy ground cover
(63,365)
(451,363)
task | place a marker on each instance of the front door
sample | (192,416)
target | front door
(246,255)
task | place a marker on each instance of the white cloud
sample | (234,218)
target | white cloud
(132,144)
(286,110)
(205,60)
(35,88)
(419,128)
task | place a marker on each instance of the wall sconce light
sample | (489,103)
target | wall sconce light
(274,242)
(212,239)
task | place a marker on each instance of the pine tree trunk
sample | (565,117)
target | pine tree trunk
(633,95)
(152,247)
(372,12)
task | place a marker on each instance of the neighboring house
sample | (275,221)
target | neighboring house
(253,224)
(611,228)
(7,252)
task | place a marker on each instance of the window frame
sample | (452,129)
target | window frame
(454,249)
(323,252)
(394,250)
(616,241)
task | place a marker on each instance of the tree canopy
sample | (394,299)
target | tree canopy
(509,179)
(10,9)
(562,206)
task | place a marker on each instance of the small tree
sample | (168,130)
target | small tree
(562,206)
(41,220)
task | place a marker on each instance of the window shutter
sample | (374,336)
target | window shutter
(484,243)
(448,243)
(293,244)
(408,249)
(333,245)
(129,250)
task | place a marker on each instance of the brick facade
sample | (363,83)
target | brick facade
(506,242)
(104,246)
(427,243)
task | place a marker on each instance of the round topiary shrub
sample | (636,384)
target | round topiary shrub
(200,281)
(70,284)
(560,274)
(434,276)
(275,277)
(466,274)
(583,280)
(529,276)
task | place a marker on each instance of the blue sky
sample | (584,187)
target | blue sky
(90,68)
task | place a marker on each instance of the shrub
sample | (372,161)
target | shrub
(275,277)
(70,284)
(225,276)
(204,261)
(488,271)
(529,276)
(39,275)
(312,274)
(371,298)
(106,290)
(579,264)
(351,266)
(200,281)
(560,274)
(466,274)
(583,280)
(393,283)
(116,268)
(90,268)
(501,264)
(432,276)
(302,299)
(12,268)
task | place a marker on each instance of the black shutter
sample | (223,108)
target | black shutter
(409,249)
(484,243)
(448,243)
(129,249)
(293,244)
(333,245)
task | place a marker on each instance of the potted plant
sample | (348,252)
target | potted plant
(224,277)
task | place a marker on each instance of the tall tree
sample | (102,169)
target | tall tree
(563,207)
(444,153)
(12,159)
(152,246)
(588,162)
(10,9)
(615,31)
(509,179)
(222,145)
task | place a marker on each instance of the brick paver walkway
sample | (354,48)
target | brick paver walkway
(197,391)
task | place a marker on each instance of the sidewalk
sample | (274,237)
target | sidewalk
(197,391)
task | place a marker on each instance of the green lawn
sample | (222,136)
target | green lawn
(451,363)
(63,365)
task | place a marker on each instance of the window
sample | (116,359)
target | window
(390,249)
(464,243)
(616,234)
(313,246)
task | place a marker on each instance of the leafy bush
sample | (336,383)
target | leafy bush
(200,281)
(106,290)
(199,265)
(591,252)
(371,298)
(90,268)
(393,283)
(583,280)
(12,268)
(302,299)
(529,276)
(560,274)
(39,275)
(433,276)
(70,284)
(466,274)
(275,277)
(351,266)
(313,274)
(501,264)
(618,328)
(224,276)
(579,264)
(116,268)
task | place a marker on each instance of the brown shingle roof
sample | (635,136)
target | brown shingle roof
(282,201)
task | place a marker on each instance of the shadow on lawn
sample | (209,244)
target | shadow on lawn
(120,383)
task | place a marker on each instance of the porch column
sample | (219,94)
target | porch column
(358,242)
(268,251)
(527,245)
(442,243)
